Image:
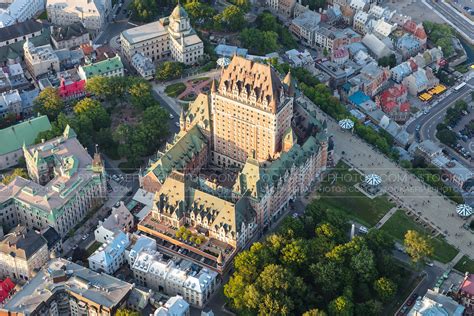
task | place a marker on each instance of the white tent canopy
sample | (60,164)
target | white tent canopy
(373,179)
(223,62)
(346,124)
(464,210)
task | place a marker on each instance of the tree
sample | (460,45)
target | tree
(169,70)
(49,103)
(342,305)
(231,19)
(325,52)
(144,10)
(385,288)
(17,172)
(315,312)
(417,246)
(259,42)
(141,95)
(199,12)
(447,137)
(126,312)
(388,61)
(99,86)
(94,110)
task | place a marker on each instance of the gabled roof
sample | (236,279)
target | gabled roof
(12,138)
(20,29)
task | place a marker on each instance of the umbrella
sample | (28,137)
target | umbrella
(346,124)
(223,62)
(464,210)
(373,179)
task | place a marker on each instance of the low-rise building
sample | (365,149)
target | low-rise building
(111,255)
(66,184)
(428,150)
(119,220)
(408,45)
(111,67)
(143,65)
(305,25)
(69,36)
(332,38)
(434,303)
(416,29)
(337,75)
(420,80)
(10,103)
(371,79)
(174,306)
(12,139)
(66,288)
(40,60)
(283,7)
(223,50)
(21,11)
(466,293)
(20,32)
(393,101)
(403,70)
(300,59)
(92,14)
(159,272)
(72,90)
(170,36)
(22,254)
(377,48)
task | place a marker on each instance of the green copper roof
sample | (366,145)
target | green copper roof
(13,137)
(179,153)
(102,67)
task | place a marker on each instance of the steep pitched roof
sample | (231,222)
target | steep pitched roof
(12,138)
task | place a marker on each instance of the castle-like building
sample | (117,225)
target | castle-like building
(243,152)
(65,184)
(169,37)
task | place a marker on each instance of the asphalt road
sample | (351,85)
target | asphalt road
(449,13)
(441,106)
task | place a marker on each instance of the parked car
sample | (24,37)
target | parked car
(171,116)
(363,230)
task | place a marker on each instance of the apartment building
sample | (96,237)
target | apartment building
(162,273)
(21,11)
(22,253)
(143,65)
(110,67)
(66,288)
(93,14)
(40,59)
(111,255)
(69,36)
(119,220)
(170,37)
(66,183)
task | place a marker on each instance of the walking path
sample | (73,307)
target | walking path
(409,191)
(386,217)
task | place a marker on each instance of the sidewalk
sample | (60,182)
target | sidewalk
(386,217)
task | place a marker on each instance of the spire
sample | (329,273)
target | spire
(220,259)
(288,81)
(213,86)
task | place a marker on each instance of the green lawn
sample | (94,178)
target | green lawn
(175,89)
(465,265)
(92,248)
(400,223)
(338,191)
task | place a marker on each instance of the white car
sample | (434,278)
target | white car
(171,116)
(363,230)
(177,124)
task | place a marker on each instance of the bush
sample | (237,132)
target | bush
(175,89)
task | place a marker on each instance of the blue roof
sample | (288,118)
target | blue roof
(358,98)
(229,51)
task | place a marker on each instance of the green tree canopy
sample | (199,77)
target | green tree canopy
(17,172)
(230,19)
(169,70)
(49,103)
(126,312)
(417,246)
(144,10)
(259,42)
(94,110)
(385,288)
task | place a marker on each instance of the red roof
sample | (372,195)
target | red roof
(467,285)
(420,32)
(389,106)
(410,26)
(71,89)
(6,288)
(405,107)
(413,65)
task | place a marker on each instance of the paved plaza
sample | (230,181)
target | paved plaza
(407,190)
